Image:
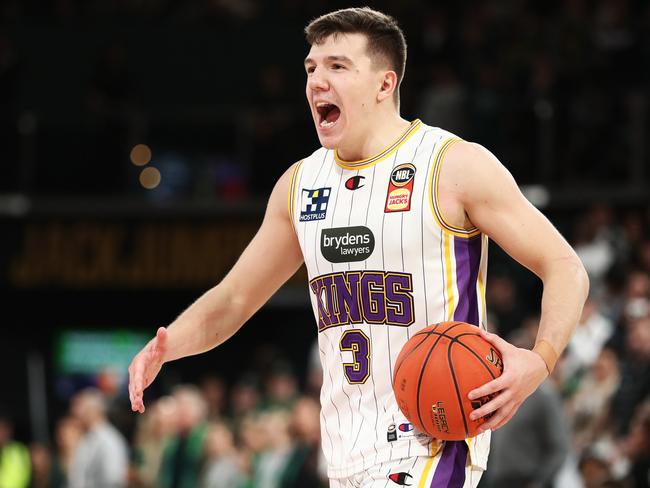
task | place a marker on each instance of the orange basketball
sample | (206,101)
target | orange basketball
(435,371)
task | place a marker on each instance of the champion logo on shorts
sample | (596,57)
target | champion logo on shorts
(314,204)
(407,427)
(400,478)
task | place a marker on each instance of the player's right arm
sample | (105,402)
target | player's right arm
(270,259)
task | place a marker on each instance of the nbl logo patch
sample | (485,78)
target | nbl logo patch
(314,204)
(400,189)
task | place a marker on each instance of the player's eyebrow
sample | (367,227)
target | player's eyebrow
(339,58)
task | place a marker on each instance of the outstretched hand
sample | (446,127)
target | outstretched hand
(144,368)
(523,372)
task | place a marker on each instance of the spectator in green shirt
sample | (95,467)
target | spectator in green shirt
(15,466)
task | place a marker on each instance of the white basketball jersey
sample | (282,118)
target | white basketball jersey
(382,264)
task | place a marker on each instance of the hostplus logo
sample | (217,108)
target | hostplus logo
(314,204)
(347,244)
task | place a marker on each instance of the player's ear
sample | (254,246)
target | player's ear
(388,86)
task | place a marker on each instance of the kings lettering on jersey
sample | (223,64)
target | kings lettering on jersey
(352,297)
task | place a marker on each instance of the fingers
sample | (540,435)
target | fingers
(152,355)
(494,386)
(501,417)
(506,419)
(493,405)
(136,380)
(495,340)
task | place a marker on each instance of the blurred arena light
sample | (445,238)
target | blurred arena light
(150,178)
(140,154)
(538,195)
(637,308)
(27,123)
(14,205)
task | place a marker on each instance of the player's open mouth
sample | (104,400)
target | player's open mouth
(328,114)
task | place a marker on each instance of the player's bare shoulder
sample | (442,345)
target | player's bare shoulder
(468,174)
(460,164)
(467,165)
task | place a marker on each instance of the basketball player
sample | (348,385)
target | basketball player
(392,219)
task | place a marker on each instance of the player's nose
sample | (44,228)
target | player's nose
(317,82)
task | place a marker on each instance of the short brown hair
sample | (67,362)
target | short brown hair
(385,38)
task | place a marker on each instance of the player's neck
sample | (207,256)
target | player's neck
(383,131)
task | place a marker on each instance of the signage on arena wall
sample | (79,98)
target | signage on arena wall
(133,254)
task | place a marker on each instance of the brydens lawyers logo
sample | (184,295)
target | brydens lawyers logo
(400,188)
(355,182)
(314,204)
(347,244)
(400,478)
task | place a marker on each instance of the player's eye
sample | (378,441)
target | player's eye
(338,66)
(310,69)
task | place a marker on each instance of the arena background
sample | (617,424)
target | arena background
(139,141)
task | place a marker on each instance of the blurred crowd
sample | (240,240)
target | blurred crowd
(260,431)
(587,426)
(558,90)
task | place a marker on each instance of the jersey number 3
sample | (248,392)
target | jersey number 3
(358,344)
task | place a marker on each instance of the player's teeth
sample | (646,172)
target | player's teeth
(326,124)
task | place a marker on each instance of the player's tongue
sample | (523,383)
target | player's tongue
(329,116)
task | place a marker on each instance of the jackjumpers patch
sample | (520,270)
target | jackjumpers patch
(400,188)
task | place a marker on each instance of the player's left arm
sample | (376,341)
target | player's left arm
(493,203)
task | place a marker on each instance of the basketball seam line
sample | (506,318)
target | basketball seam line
(453,377)
(426,360)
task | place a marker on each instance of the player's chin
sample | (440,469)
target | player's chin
(329,138)
(328,142)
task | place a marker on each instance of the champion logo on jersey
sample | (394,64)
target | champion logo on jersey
(314,204)
(355,182)
(400,189)
(400,478)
